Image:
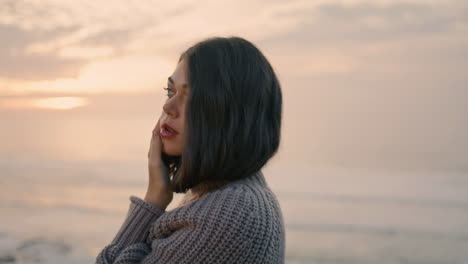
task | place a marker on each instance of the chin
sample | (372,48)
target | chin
(171,151)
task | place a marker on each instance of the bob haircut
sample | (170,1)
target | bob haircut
(233,114)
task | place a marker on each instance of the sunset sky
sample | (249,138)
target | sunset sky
(370,78)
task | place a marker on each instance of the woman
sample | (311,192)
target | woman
(219,126)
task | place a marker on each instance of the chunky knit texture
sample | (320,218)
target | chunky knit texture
(240,222)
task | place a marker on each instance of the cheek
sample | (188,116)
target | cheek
(174,146)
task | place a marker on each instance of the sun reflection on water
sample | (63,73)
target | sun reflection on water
(58,103)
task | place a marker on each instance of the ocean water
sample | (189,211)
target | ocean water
(54,211)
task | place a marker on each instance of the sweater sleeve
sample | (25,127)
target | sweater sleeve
(134,231)
(224,234)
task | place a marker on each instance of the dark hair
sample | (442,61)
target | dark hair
(233,114)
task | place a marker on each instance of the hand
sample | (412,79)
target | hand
(159,190)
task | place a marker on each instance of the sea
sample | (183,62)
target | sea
(66,212)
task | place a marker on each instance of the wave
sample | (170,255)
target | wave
(67,207)
(375,230)
(391,200)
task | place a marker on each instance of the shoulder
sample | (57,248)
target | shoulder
(249,199)
(252,213)
(240,199)
(245,192)
(245,203)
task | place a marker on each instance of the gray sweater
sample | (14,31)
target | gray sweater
(240,222)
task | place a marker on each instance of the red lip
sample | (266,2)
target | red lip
(166,126)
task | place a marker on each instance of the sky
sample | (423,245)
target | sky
(365,83)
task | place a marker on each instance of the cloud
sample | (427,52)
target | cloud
(127,74)
(47,40)
(334,22)
(373,37)
(16,64)
(55,39)
(323,37)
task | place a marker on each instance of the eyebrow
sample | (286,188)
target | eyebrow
(172,81)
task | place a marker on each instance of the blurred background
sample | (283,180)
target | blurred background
(372,166)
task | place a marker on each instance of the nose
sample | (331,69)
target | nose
(170,109)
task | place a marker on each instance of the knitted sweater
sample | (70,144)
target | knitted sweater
(240,222)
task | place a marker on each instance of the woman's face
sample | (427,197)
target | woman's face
(174,110)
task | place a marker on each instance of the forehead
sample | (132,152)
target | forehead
(179,76)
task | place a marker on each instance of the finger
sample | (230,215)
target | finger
(155,135)
(149,150)
(155,144)
(157,127)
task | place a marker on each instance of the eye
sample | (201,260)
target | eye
(168,91)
